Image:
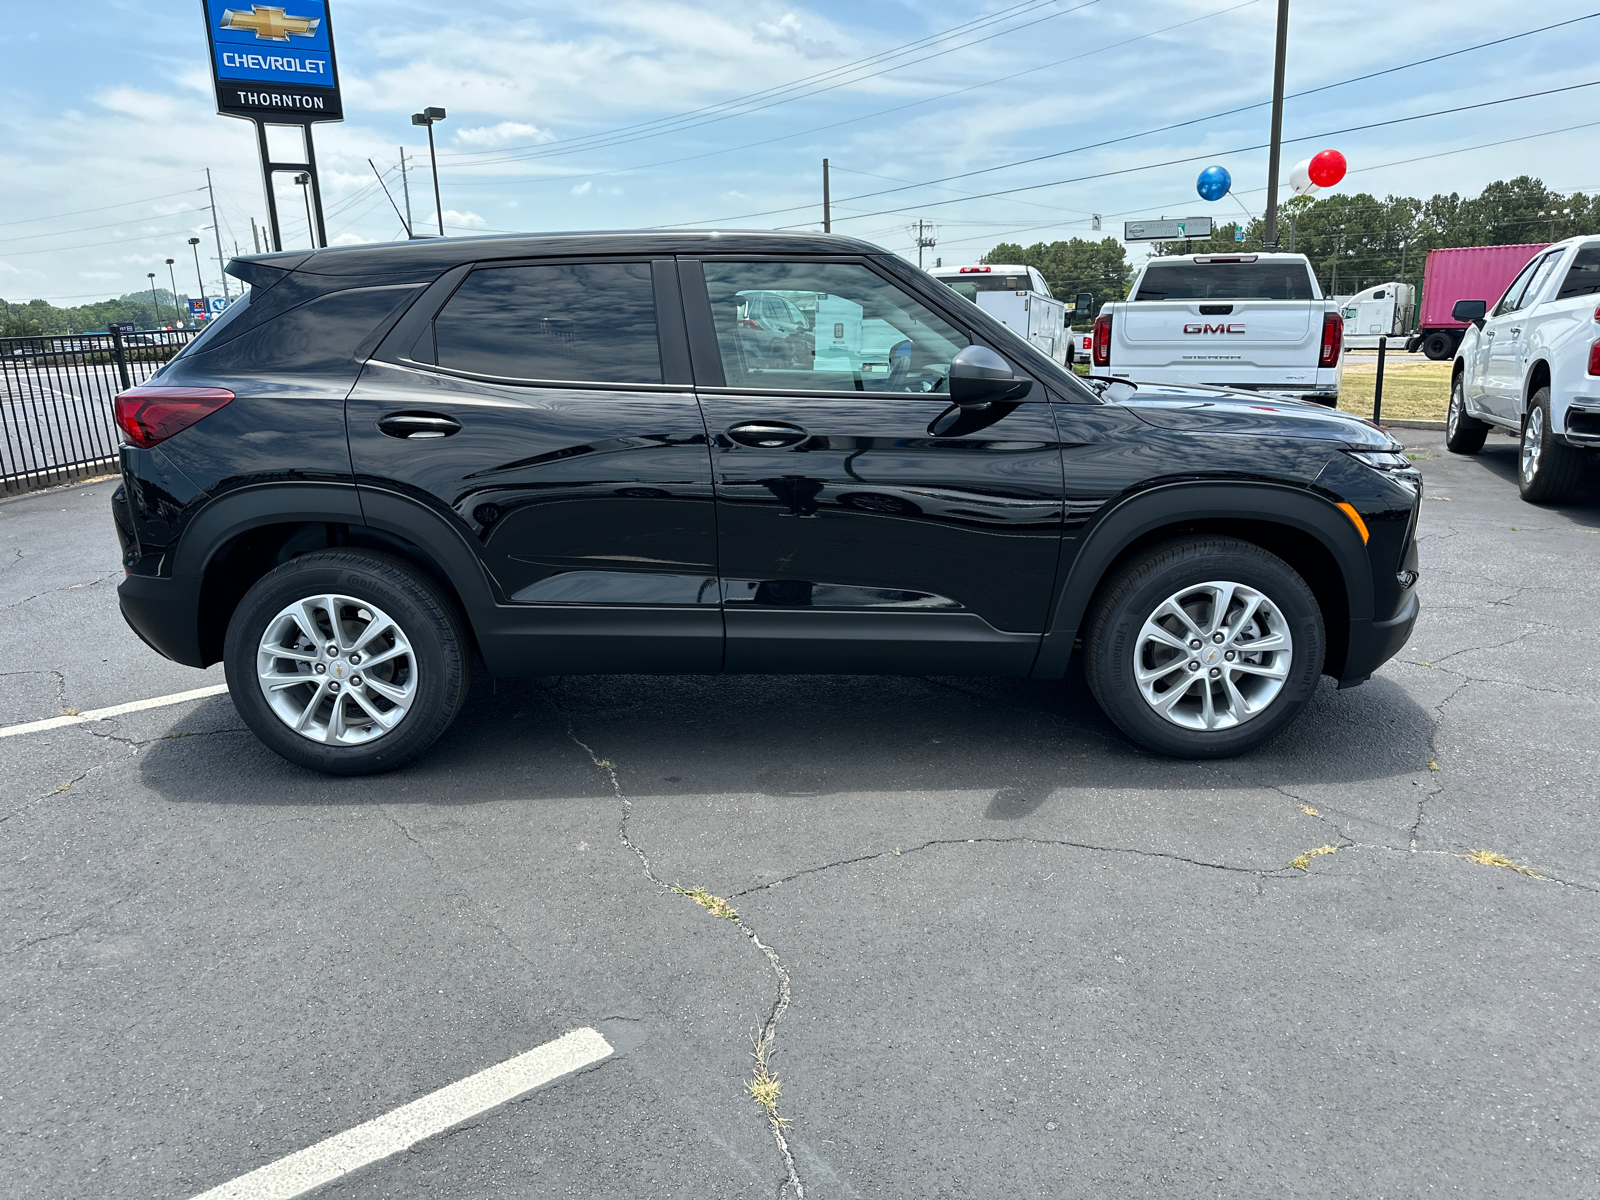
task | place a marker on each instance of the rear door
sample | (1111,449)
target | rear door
(544,408)
(863,525)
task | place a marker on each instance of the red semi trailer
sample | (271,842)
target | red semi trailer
(1463,273)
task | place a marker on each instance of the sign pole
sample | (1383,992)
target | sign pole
(274,230)
(316,187)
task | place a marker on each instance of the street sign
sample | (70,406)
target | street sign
(272,62)
(121,327)
(1166,230)
(216,305)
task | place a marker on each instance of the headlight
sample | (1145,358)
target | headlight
(1382,460)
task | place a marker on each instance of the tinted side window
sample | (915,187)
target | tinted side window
(577,322)
(859,332)
(1583,277)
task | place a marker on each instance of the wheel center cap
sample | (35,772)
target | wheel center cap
(1212,654)
(337,669)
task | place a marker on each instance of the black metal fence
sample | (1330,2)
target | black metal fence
(56,421)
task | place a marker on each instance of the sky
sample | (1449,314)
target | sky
(718,114)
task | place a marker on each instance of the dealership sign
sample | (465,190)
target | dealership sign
(274,62)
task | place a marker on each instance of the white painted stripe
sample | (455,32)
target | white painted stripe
(316,1165)
(116,710)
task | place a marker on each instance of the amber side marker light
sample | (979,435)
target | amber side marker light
(1355,519)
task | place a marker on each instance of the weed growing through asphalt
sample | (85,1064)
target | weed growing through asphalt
(1490,858)
(1302,862)
(764,1087)
(715,905)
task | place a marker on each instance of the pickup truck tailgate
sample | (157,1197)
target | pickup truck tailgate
(1250,333)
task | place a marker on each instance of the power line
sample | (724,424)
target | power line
(1164,128)
(659,124)
(110,225)
(120,204)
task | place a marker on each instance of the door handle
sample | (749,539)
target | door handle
(767,435)
(416,425)
(1516,331)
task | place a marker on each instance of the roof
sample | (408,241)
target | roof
(443,253)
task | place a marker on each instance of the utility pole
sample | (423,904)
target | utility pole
(827,207)
(217,229)
(255,235)
(1269,233)
(1338,253)
(925,238)
(405,186)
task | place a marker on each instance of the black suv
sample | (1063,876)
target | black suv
(390,466)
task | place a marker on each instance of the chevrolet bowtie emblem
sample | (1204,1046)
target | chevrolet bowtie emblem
(269,23)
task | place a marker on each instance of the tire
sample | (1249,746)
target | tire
(1439,346)
(382,601)
(1463,433)
(1123,660)
(1548,472)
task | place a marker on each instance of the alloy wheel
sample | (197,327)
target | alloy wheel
(1213,656)
(336,670)
(1532,444)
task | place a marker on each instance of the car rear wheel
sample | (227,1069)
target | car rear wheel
(1548,471)
(1463,433)
(347,662)
(1204,647)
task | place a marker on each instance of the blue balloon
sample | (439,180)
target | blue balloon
(1214,183)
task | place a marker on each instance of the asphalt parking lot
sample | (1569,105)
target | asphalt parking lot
(998,950)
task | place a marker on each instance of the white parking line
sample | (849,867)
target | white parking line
(116,710)
(316,1165)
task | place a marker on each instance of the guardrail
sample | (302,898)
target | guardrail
(56,391)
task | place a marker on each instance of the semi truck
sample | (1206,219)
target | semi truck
(1385,310)
(1019,297)
(1462,273)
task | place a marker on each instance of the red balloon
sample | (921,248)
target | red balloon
(1327,168)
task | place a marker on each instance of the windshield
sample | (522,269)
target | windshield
(1226,281)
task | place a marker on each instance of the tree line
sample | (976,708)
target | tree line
(1353,241)
(41,317)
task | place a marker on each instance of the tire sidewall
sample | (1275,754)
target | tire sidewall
(427,627)
(1114,641)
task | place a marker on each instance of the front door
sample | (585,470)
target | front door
(534,412)
(1500,344)
(864,524)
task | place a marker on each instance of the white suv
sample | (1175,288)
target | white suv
(1532,365)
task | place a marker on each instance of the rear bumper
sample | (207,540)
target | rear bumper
(165,614)
(1373,643)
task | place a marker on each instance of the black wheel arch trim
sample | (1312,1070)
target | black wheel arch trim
(1144,512)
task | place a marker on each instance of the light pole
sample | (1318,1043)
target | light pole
(177,313)
(205,309)
(427,117)
(155,313)
(304,180)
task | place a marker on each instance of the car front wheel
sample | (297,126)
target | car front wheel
(346,662)
(1204,647)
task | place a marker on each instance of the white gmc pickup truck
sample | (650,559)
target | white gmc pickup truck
(1257,322)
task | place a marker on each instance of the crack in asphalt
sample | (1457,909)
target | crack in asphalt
(61,679)
(71,587)
(766,1037)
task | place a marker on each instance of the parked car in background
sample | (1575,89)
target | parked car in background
(575,453)
(1386,310)
(1531,365)
(1462,273)
(1020,299)
(1253,322)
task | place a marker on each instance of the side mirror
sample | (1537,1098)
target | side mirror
(979,376)
(1471,311)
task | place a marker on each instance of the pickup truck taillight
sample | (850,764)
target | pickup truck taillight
(151,414)
(1332,340)
(1594,359)
(1102,341)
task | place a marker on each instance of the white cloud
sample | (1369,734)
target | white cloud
(463,220)
(505,133)
(584,188)
(786,31)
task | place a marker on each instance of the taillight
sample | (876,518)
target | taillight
(1102,340)
(1597,312)
(1594,359)
(147,415)
(1332,340)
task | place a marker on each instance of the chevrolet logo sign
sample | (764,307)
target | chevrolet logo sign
(269,23)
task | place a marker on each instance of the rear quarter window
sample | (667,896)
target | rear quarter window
(1226,281)
(1583,277)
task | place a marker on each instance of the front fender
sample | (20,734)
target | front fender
(1299,511)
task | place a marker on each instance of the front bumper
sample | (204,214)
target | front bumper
(1373,643)
(165,613)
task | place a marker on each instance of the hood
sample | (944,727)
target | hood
(1210,410)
